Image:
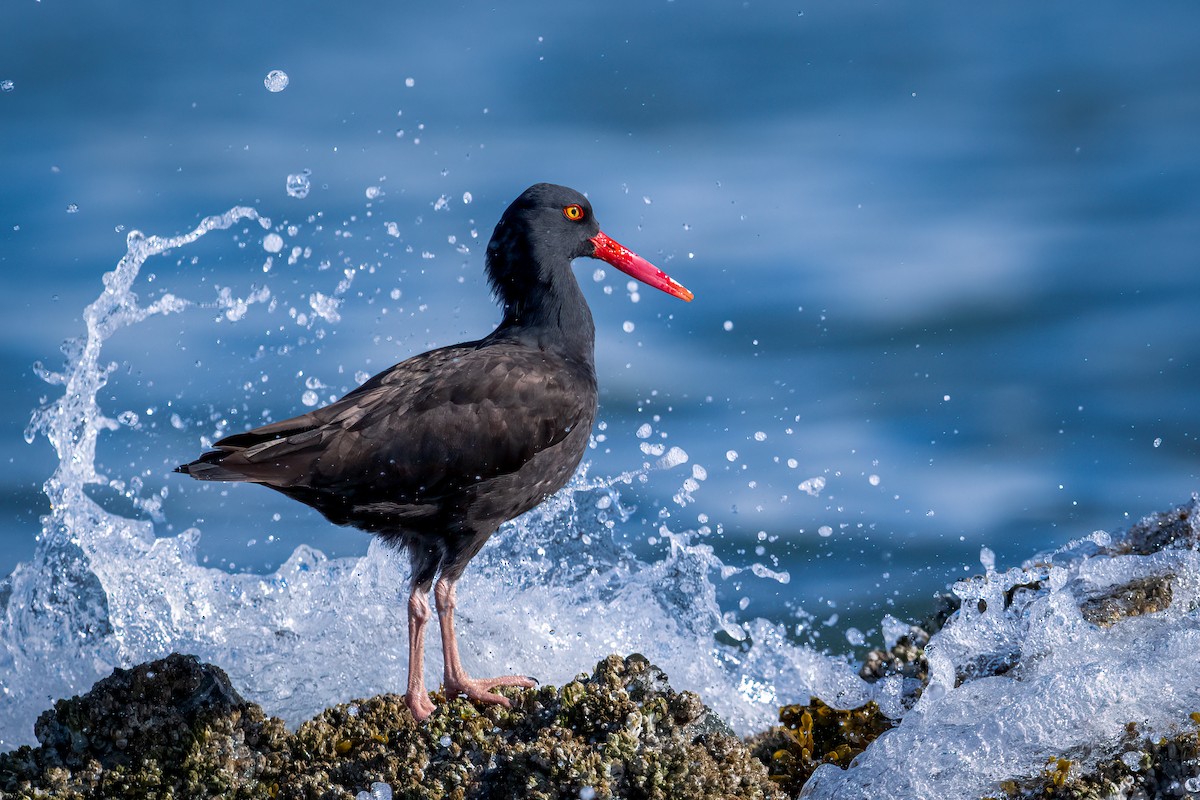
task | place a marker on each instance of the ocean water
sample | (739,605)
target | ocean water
(946,272)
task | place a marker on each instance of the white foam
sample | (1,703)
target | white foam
(1065,685)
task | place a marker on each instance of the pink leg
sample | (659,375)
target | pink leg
(418,615)
(456,681)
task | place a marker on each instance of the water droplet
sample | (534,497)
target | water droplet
(7,85)
(855,637)
(273,243)
(298,185)
(674,457)
(72,208)
(731,455)
(825,531)
(760,436)
(276,80)
(1132,759)
(467,198)
(812,486)
(1158,441)
(873,480)
(644,431)
(310,398)
(627,326)
(987,558)
(409,82)
(728,325)
(373,192)
(598,275)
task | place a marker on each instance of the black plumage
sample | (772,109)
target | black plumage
(435,453)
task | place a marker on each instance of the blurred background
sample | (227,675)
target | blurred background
(945,258)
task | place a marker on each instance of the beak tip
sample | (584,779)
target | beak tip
(633,265)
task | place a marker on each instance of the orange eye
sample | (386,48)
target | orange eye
(573,212)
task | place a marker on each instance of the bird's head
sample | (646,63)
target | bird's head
(543,230)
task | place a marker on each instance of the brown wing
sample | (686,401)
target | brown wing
(418,431)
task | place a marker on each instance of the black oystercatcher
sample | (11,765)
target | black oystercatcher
(437,452)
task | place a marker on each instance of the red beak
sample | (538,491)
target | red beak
(637,267)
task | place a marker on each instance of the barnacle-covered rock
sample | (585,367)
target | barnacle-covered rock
(173,726)
(177,728)
(905,658)
(620,732)
(1178,528)
(1164,768)
(1141,596)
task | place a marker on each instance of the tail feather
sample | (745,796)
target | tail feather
(208,467)
(239,457)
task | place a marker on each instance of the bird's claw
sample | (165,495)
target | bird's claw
(479,689)
(420,705)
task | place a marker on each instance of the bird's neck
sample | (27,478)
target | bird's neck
(543,304)
(553,315)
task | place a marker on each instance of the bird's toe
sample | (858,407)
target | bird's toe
(480,689)
(420,705)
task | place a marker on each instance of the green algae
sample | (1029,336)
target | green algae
(814,734)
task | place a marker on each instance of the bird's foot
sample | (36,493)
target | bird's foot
(479,689)
(419,704)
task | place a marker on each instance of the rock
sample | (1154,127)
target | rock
(1141,596)
(1146,768)
(176,727)
(173,723)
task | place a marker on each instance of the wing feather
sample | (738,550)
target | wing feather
(419,430)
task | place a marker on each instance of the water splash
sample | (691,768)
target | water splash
(1020,675)
(556,591)
(63,626)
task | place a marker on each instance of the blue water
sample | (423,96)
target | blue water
(945,259)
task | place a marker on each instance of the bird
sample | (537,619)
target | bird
(435,453)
